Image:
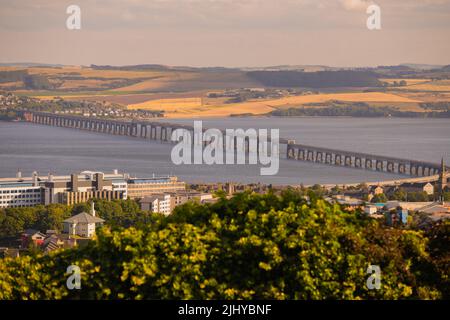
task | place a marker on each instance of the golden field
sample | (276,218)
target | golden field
(10,84)
(86,72)
(426,96)
(94,79)
(183,93)
(189,108)
(166,104)
(349,97)
(87,79)
(159,82)
(438,86)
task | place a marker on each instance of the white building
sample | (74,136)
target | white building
(370,210)
(35,190)
(16,192)
(162,203)
(83,224)
(81,187)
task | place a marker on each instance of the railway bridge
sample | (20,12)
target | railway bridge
(160,131)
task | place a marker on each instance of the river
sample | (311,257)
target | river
(31,147)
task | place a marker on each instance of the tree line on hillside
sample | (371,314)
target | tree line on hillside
(361,110)
(30,81)
(436,106)
(321,79)
(251,246)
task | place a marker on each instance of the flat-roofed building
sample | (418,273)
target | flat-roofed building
(139,188)
(158,203)
(69,189)
(184,196)
(81,187)
(20,192)
(16,194)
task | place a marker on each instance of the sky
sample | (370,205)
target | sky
(229,33)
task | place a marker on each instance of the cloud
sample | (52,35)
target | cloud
(355,5)
(141,15)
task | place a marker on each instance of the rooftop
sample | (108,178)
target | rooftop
(84,218)
(436,207)
(152,180)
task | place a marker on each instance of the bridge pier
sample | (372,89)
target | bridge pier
(358,162)
(319,157)
(301,155)
(338,160)
(328,158)
(390,166)
(163,132)
(379,165)
(348,161)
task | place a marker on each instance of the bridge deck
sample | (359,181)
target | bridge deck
(131,129)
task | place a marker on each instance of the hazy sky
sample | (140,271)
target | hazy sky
(225,32)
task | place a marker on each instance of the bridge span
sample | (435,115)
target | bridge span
(160,131)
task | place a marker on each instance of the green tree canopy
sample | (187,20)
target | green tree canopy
(248,247)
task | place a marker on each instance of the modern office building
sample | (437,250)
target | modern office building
(80,187)
(83,187)
(17,192)
(140,188)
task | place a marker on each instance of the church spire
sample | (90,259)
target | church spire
(442,180)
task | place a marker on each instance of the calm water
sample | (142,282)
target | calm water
(60,151)
(420,139)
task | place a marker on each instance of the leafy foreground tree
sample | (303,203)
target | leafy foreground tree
(249,247)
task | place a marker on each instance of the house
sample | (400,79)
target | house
(375,190)
(370,209)
(32,236)
(418,187)
(435,207)
(54,241)
(411,206)
(349,201)
(185,196)
(83,224)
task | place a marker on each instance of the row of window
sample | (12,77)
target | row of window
(23,203)
(20,191)
(22,196)
(154,185)
(17,205)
